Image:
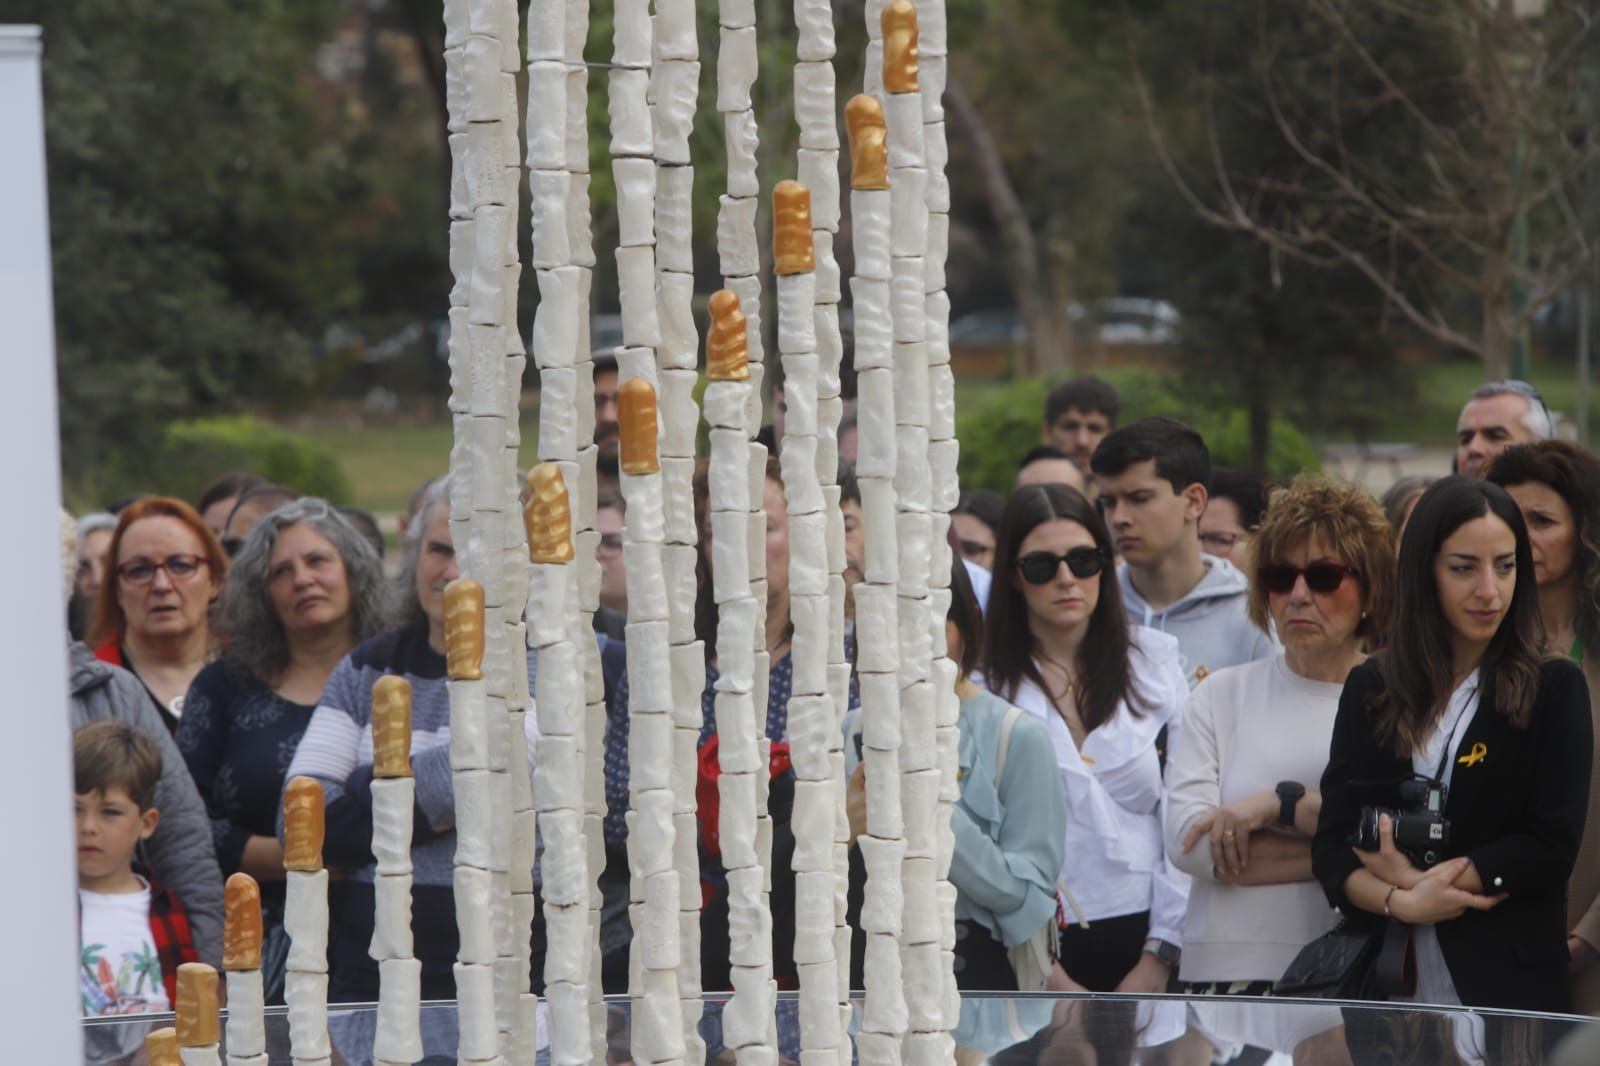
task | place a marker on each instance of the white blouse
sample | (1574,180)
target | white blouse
(1115,863)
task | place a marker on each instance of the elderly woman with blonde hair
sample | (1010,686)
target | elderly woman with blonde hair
(1242,780)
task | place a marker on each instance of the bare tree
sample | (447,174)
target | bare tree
(1482,217)
(1021,250)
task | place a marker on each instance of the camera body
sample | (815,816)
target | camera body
(1421,831)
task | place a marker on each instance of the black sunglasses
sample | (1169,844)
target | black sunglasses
(1320,577)
(1039,568)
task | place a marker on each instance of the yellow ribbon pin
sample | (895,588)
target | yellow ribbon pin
(1479,752)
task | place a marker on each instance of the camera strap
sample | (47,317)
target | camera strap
(1397,961)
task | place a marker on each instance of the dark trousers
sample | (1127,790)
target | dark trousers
(982,964)
(1100,956)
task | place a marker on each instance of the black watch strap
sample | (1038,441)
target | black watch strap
(1289,793)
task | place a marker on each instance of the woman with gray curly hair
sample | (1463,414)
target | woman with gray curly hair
(305,588)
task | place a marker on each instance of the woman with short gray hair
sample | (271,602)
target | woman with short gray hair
(305,588)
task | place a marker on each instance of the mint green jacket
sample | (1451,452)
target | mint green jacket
(1009,841)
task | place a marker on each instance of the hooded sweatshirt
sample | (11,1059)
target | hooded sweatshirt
(180,852)
(1209,620)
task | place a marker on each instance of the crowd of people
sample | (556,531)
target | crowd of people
(1205,721)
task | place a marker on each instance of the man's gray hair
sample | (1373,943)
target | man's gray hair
(437,494)
(1537,421)
(248,619)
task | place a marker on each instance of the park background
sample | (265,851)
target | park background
(1309,229)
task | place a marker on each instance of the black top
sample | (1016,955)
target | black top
(238,737)
(1517,812)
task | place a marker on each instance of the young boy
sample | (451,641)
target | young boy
(133,934)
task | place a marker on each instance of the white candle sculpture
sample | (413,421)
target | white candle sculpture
(741,760)
(473,784)
(817,114)
(559,769)
(486,375)
(883,846)
(675,82)
(924,941)
(943,453)
(398,1037)
(812,719)
(199,1028)
(566,593)
(241,960)
(739,253)
(305,919)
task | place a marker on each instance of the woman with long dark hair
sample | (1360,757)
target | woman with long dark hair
(1556,485)
(1059,646)
(1462,704)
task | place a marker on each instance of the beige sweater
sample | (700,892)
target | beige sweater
(1583,890)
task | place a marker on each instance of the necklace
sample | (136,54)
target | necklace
(1066,672)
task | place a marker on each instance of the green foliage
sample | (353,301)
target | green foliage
(197,450)
(195,213)
(995,433)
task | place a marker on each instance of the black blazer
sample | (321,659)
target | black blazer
(1517,812)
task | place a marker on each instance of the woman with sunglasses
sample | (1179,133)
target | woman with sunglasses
(1464,699)
(1557,487)
(1243,776)
(153,616)
(305,588)
(1059,646)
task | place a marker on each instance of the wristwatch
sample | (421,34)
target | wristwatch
(1289,793)
(1166,951)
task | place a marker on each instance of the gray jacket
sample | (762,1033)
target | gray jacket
(180,854)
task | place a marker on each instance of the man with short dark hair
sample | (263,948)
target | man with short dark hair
(1152,477)
(1045,464)
(1077,416)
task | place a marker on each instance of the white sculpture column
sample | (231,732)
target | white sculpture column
(883,847)
(398,1037)
(812,720)
(675,84)
(923,939)
(943,454)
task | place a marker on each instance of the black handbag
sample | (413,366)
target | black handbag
(1351,963)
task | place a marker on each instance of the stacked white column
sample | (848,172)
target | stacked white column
(923,938)
(482,798)
(241,960)
(559,767)
(675,84)
(741,758)
(486,387)
(657,1029)
(943,453)
(305,919)
(883,847)
(812,719)
(740,255)
(816,111)
(398,1037)
(563,256)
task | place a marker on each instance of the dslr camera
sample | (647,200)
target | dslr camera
(1421,831)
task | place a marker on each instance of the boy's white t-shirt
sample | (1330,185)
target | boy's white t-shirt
(118,971)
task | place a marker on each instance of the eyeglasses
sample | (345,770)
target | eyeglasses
(1040,568)
(142,571)
(1221,539)
(610,544)
(1320,577)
